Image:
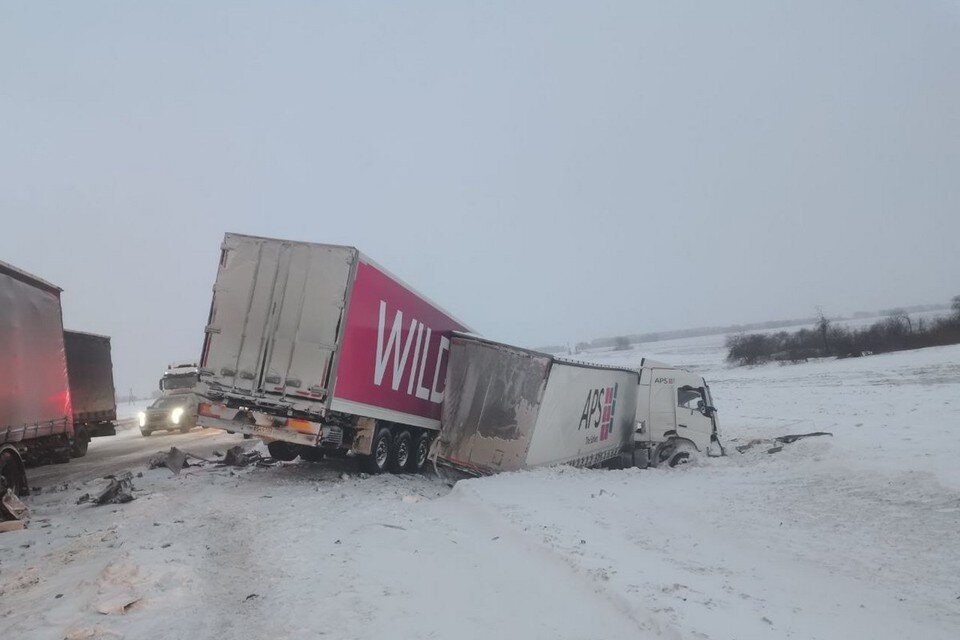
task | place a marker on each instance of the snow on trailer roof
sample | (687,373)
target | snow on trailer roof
(87,333)
(29,278)
(362,256)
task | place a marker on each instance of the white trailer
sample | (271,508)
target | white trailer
(508,408)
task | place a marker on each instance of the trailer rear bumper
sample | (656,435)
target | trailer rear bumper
(258,424)
(101,429)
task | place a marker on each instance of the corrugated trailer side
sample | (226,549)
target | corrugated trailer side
(35,407)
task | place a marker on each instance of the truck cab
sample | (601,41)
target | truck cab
(180,378)
(676,417)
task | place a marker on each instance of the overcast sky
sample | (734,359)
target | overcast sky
(549,172)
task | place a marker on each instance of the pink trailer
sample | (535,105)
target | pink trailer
(317,349)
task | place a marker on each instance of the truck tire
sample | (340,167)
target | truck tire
(419,453)
(382,452)
(145,432)
(675,452)
(283,451)
(78,448)
(402,452)
(311,454)
(12,473)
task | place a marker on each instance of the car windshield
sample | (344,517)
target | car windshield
(171,402)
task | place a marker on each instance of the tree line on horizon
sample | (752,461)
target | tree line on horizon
(897,332)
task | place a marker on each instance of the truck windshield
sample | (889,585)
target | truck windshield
(180,382)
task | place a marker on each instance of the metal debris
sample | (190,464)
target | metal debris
(788,439)
(13,513)
(175,460)
(119,491)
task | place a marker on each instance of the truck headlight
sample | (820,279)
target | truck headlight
(175,415)
(142,418)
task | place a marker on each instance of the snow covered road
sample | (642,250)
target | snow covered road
(851,536)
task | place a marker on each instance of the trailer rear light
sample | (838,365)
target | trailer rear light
(303,426)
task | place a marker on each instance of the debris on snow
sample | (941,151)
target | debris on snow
(237,456)
(788,439)
(13,513)
(175,460)
(119,491)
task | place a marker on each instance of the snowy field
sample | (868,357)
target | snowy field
(851,536)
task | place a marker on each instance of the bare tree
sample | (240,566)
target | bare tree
(823,326)
(901,315)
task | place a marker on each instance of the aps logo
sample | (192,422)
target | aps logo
(599,409)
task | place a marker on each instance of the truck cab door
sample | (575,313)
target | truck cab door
(694,421)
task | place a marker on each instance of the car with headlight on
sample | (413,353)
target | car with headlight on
(170,413)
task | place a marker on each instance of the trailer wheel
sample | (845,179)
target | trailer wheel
(78,447)
(379,459)
(418,457)
(311,454)
(281,450)
(401,452)
(12,473)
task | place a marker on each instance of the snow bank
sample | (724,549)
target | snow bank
(853,536)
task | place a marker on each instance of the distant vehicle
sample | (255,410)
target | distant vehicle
(35,410)
(180,378)
(169,413)
(317,349)
(508,408)
(92,394)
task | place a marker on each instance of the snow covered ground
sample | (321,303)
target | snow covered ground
(854,536)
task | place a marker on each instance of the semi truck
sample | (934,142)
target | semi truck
(508,408)
(36,414)
(92,394)
(180,377)
(318,350)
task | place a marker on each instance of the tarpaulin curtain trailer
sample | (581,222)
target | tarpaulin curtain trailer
(92,393)
(35,405)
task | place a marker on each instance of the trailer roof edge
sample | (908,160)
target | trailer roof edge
(28,278)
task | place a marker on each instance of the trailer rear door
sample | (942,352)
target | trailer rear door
(276,313)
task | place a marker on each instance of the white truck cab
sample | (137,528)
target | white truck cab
(676,417)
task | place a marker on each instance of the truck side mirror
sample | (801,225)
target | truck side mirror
(708,410)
